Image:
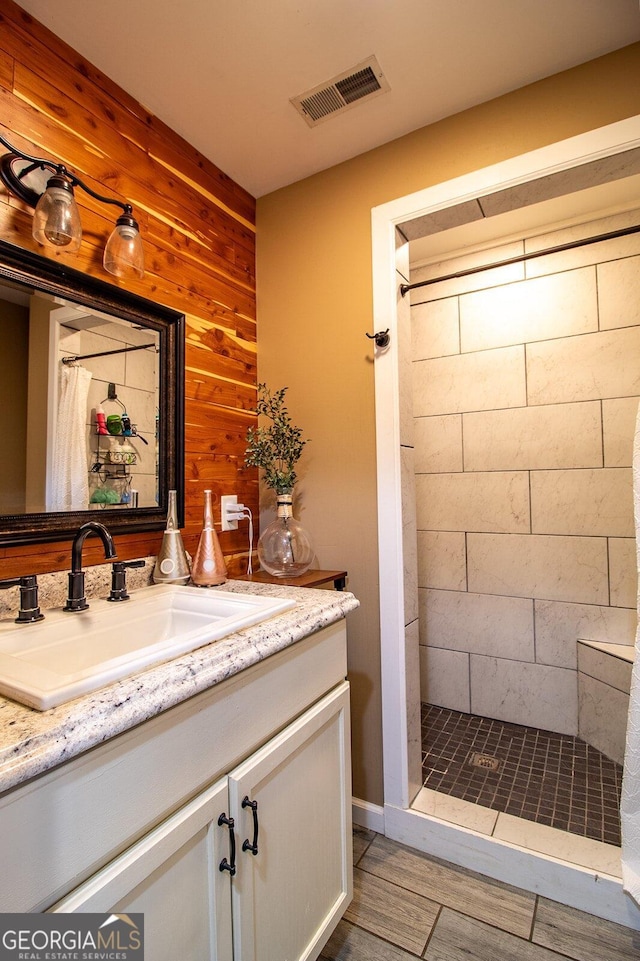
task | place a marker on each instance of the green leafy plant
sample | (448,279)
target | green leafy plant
(276,448)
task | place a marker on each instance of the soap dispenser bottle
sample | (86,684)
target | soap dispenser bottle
(208,568)
(171,563)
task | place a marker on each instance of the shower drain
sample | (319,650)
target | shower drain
(486,761)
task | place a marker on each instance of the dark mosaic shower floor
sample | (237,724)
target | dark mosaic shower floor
(549,778)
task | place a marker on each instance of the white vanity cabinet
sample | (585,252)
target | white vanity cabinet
(274,738)
(172,876)
(289,897)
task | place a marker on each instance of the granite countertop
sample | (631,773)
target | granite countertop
(32,742)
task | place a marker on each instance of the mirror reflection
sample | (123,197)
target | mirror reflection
(79,395)
(91,403)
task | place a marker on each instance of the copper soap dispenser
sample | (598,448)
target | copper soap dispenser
(208,568)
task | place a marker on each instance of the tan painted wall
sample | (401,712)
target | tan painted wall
(315,305)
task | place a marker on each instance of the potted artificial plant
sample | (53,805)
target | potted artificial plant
(284,548)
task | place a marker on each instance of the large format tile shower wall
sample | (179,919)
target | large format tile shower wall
(525,391)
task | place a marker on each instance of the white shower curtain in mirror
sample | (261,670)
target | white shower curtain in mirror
(630,804)
(70,487)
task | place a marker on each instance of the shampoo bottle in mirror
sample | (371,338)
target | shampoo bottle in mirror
(171,564)
(208,568)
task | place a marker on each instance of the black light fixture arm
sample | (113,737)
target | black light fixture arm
(76,182)
(12,180)
(36,161)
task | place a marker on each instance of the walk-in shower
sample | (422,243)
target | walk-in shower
(508,508)
(525,386)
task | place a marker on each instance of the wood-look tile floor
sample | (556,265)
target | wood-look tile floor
(408,905)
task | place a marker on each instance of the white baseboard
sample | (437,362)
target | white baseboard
(367,815)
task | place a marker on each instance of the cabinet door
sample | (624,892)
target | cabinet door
(173,876)
(289,896)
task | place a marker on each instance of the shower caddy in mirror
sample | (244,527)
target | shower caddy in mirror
(113,453)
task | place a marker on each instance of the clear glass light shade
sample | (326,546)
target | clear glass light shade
(123,255)
(56,220)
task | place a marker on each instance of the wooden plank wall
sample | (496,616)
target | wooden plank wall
(198,229)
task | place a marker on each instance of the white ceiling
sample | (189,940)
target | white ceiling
(222,73)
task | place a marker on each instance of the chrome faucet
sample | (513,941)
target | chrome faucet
(76,601)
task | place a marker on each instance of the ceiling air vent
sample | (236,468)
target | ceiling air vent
(344,91)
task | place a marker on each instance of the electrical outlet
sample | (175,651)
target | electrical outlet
(226,501)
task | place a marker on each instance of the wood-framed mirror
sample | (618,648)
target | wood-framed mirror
(91,403)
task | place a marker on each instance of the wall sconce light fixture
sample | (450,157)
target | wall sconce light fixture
(56,219)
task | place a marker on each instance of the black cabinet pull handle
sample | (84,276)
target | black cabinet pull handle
(224,864)
(246,844)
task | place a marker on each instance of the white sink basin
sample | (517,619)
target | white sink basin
(66,655)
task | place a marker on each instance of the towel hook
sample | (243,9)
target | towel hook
(112,395)
(381,338)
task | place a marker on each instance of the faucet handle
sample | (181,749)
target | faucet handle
(119,579)
(29,610)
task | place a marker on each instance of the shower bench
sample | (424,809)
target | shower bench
(604,682)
